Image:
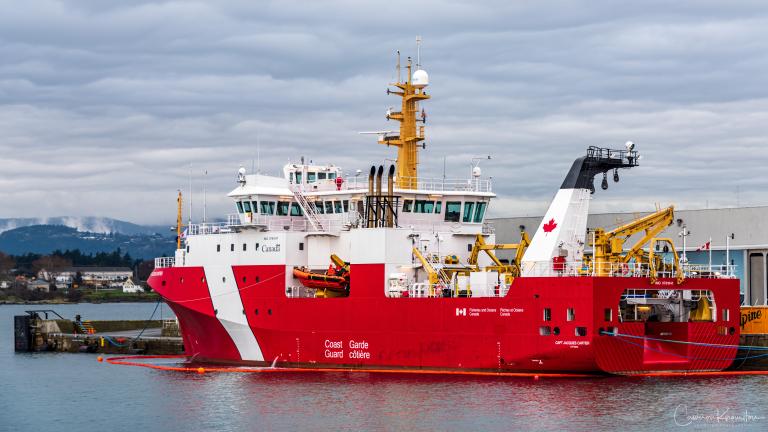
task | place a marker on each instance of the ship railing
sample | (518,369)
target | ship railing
(614,269)
(426,290)
(164,262)
(439,225)
(449,185)
(330,223)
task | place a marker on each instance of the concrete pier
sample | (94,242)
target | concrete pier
(37,331)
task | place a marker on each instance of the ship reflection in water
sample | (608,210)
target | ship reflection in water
(361,401)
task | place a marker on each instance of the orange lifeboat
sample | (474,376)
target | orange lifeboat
(320,280)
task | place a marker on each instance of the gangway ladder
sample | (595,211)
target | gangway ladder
(309,210)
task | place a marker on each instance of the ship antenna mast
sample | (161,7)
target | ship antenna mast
(398,65)
(408,141)
(418,52)
(178,220)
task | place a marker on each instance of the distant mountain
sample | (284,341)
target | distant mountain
(45,239)
(100,225)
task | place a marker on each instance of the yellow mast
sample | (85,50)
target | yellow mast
(178,221)
(407,142)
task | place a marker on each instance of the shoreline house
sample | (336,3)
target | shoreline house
(96,276)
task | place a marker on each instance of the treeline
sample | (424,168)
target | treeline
(76,258)
(31,263)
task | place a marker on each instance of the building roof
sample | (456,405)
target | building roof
(749,226)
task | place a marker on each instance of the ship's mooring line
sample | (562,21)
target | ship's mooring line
(232,292)
(117,344)
(711,345)
(689,357)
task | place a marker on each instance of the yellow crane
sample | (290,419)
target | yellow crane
(511,270)
(608,246)
(435,276)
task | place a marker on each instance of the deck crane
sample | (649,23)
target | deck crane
(436,277)
(511,270)
(608,247)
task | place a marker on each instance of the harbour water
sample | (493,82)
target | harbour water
(74,392)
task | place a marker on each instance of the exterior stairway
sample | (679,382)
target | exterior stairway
(308,209)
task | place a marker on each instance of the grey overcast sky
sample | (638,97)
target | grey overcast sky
(105,103)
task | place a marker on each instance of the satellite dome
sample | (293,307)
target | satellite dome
(420,79)
(476,172)
(241,171)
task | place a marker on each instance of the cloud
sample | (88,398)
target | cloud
(104,104)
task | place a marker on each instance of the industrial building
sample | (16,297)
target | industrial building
(740,234)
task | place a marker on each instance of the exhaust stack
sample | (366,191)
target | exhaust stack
(390,197)
(379,206)
(369,211)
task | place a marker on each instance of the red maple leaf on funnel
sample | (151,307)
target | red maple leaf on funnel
(550,226)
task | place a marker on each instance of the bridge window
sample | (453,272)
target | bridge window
(267,207)
(452,211)
(346,206)
(247,206)
(480,211)
(319,207)
(296,210)
(239,207)
(328,207)
(438,207)
(311,177)
(332,176)
(407,206)
(468,207)
(321,176)
(423,206)
(337,206)
(282,208)
(298,178)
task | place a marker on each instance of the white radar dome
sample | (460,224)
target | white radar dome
(420,79)
(241,171)
(476,172)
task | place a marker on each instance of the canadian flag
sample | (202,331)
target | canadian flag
(705,246)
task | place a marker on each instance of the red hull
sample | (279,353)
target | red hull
(368,329)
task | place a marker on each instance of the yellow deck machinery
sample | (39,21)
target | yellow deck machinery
(511,270)
(444,273)
(609,257)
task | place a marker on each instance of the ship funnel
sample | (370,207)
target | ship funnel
(379,201)
(370,204)
(390,196)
